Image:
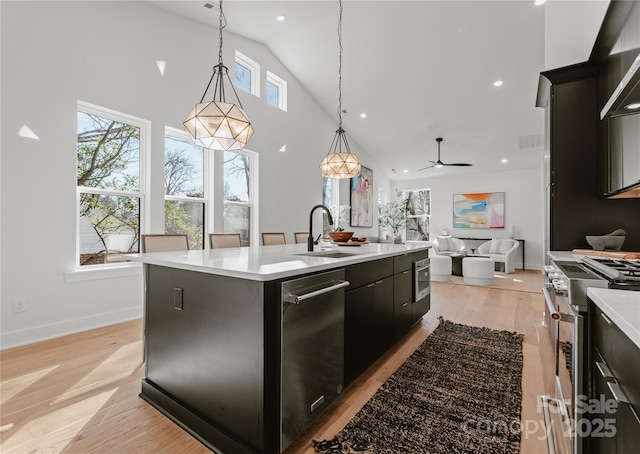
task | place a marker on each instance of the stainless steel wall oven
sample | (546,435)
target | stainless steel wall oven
(421,279)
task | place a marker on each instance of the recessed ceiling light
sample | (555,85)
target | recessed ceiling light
(281,18)
(633,106)
(497,83)
(283,148)
(504,161)
(405,171)
(363,115)
(539,2)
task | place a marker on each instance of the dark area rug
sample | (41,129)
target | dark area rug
(459,392)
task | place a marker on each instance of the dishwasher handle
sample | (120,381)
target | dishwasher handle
(297,299)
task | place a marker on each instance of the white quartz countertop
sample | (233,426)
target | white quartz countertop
(265,263)
(622,307)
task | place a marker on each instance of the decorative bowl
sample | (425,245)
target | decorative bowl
(340,237)
(605,242)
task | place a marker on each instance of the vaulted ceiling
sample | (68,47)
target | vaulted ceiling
(418,69)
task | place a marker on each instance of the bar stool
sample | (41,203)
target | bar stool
(224,240)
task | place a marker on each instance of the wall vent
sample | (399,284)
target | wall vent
(531,141)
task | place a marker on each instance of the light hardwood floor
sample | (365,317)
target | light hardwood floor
(79,393)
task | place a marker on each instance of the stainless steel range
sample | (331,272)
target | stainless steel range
(621,273)
(566,318)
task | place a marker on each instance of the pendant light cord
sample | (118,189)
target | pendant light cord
(223,24)
(340,69)
(220,70)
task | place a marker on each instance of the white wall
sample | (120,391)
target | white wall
(571,28)
(56,53)
(523,205)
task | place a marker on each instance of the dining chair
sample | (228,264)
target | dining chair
(269,239)
(301,237)
(224,240)
(164,242)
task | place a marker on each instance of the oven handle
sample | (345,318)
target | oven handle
(547,299)
(553,313)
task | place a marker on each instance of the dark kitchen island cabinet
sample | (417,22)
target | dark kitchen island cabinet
(213,330)
(614,342)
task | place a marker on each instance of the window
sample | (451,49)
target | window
(330,199)
(382,196)
(185,174)
(418,214)
(239,182)
(276,91)
(247,74)
(110,183)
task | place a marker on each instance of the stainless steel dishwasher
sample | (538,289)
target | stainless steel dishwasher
(312,350)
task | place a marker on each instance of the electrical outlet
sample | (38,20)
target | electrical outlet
(177,298)
(19,305)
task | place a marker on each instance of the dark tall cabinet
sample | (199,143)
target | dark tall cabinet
(578,157)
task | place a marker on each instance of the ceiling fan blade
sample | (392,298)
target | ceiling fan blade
(459,164)
(428,167)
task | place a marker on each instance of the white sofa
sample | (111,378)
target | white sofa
(447,245)
(501,250)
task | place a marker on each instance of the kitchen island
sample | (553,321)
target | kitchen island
(214,332)
(614,340)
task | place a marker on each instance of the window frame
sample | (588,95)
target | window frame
(281,84)
(254,182)
(254,69)
(405,195)
(143,182)
(183,135)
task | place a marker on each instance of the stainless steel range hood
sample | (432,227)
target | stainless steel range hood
(629,192)
(627,93)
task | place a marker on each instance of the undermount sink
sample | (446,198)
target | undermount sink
(329,254)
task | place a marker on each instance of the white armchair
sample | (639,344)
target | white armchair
(447,245)
(501,250)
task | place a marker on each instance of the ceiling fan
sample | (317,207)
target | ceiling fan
(438,164)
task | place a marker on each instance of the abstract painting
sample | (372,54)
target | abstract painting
(362,199)
(484,210)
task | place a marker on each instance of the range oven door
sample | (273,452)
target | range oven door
(569,351)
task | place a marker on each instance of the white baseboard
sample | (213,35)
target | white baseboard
(51,331)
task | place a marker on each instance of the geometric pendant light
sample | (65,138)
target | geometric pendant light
(339,161)
(218,124)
